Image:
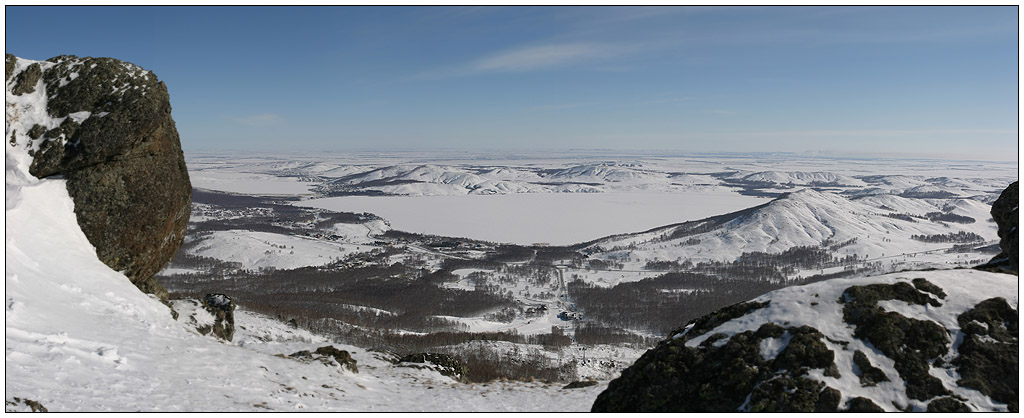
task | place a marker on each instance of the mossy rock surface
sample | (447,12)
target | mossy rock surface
(27,79)
(861,404)
(724,374)
(869,375)
(989,354)
(772,356)
(911,343)
(702,325)
(947,404)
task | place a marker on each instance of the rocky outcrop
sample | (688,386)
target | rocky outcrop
(223,311)
(1004,211)
(441,363)
(211,315)
(23,405)
(988,357)
(835,346)
(109,133)
(329,355)
(580,384)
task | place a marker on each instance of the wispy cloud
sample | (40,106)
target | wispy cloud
(537,58)
(262,119)
(548,56)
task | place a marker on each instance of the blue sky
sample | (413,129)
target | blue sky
(940,81)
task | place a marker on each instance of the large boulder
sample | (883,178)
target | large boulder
(109,133)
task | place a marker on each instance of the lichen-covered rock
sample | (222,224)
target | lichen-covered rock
(869,375)
(947,404)
(989,354)
(1004,211)
(441,363)
(27,80)
(861,404)
(861,345)
(111,136)
(717,377)
(912,343)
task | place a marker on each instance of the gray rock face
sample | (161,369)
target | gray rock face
(1004,211)
(123,163)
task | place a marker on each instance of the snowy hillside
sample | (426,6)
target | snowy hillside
(260,250)
(874,228)
(81,337)
(800,178)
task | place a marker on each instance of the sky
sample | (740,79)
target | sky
(928,81)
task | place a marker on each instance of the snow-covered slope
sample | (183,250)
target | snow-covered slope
(801,178)
(809,218)
(260,250)
(80,337)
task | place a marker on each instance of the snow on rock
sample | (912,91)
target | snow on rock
(804,341)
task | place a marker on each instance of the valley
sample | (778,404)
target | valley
(395,268)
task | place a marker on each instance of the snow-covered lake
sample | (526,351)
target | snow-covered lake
(527,218)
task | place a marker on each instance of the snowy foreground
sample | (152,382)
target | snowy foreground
(81,337)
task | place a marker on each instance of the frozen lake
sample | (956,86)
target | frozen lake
(527,218)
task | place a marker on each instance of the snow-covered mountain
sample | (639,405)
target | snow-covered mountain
(799,178)
(433,180)
(871,227)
